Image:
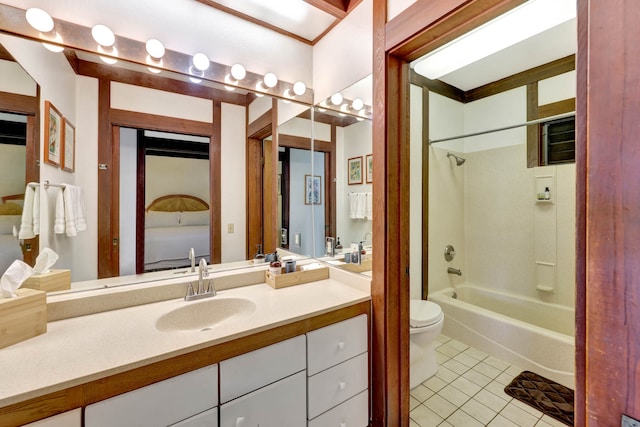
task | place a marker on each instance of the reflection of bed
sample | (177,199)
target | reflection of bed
(173,224)
(10,215)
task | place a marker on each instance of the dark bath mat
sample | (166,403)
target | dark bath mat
(545,395)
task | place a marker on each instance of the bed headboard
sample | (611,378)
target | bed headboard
(10,208)
(178,203)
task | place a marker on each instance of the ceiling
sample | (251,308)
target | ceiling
(304,20)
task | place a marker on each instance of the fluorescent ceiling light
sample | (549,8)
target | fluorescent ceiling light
(523,22)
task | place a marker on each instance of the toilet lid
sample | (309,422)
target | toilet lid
(423,313)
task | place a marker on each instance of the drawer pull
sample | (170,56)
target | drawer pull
(341,345)
(239,421)
(342,385)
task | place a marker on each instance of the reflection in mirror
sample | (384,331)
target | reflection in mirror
(18,108)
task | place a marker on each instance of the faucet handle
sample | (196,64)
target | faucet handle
(190,291)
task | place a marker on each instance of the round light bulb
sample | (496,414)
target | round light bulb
(154,70)
(103,35)
(336,98)
(201,61)
(299,88)
(357,104)
(112,52)
(39,19)
(53,48)
(195,80)
(270,80)
(238,72)
(155,48)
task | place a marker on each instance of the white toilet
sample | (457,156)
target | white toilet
(426,320)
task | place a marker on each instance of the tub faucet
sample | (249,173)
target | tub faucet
(192,258)
(452,270)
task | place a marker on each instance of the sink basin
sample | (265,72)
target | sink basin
(203,315)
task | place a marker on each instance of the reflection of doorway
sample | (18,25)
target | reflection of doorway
(284,184)
(164,179)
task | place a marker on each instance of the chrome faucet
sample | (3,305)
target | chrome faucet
(192,258)
(203,274)
(368,233)
(452,270)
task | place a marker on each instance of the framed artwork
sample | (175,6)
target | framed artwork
(68,146)
(312,190)
(355,170)
(52,134)
(369,168)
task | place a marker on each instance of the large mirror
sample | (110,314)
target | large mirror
(164,173)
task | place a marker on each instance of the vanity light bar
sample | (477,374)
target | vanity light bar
(79,37)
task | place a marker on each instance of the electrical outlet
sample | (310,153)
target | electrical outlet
(230,228)
(629,422)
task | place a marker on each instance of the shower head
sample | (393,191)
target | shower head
(459,160)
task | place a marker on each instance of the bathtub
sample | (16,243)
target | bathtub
(525,332)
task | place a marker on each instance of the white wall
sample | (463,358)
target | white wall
(15,79)
(344,55)
(353,141)
(233,175)
(12,169)
(174,175)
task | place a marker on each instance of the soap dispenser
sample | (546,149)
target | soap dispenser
(259,257)
(275,267)
(547,193)
(338,244)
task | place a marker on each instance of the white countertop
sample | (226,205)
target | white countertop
(81,349)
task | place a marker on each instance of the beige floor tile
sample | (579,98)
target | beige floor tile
(541,423)
(458,345)
(446,374)
(501,421)
(466,386)
(476,354)
(518,416)
(441,358)
(490,400)
(504,378)
(455,366)
(434,384)
(413,423)
(440,406)
(533,411)
(425,417)
(462,419)
(477,378)
(496,363)
(443,338)
(478,411)
(445,424)
(447,350)
(498,389)
(514,370)
(454,395)
(421,393)
(487,370)
(413,402)
(467,360)
(552,421)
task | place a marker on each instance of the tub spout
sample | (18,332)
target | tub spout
(452,270)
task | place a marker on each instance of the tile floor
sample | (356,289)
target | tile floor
(468,391)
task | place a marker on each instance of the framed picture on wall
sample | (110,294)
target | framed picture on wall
(312,190)
(52,134)
(369,168)
(68,146)
(355,170)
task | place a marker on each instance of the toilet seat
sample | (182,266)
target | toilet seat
(424,313)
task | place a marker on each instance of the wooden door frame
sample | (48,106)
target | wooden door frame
(109,122)
(30,107)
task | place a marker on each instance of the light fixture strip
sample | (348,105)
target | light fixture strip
(79,37)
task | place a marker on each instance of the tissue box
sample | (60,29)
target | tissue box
(22,317)
(54,280)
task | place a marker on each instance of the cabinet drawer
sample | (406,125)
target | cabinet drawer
(163,403)
(243,374)
(336,343)
(67,419)
(281,404)
(352,413)
(337,384)
(205,419)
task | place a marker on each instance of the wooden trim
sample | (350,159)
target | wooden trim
(140,201)
(438,86)
(215,185)
(159,123)
(337,8)
(261,127)
(555,108)
(429,24)
(104,388)
(253,20)
(104,180)
(425,193)
(303,143)
(533,131)
(5,55)
(545,71)
(136,78)
(21,104)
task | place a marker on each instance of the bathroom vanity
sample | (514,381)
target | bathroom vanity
(275,357)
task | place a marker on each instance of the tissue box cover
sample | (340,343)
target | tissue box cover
(299,277)
(54,280)
(22,317)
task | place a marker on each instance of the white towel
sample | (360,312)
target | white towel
(368,212)
(81,218)
(26,225)
(58,226)
(69,194)
(36,210)
(361,205)
(353,203)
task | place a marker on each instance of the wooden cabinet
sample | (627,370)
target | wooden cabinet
(338,369)
(161,404)
(68,419)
